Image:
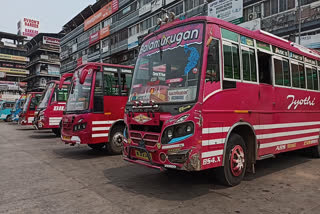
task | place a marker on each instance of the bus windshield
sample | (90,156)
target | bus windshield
(169,66)
(46,96)
(79,95)
(25,106)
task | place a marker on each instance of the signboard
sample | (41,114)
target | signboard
(14,71)
(104,32)
(79,61)
(94,37)
(310,41)
(51,41)
(28,27)
(228,10)
(103,13)
(252,25)
(14,58)
(145,9)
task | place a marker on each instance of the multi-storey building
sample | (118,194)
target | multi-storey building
(43,51)
(12,65)
(108,31)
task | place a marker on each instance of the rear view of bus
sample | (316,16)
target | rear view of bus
(27,115)
(52,104)
(95,107)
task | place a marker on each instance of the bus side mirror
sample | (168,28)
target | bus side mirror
(63,78)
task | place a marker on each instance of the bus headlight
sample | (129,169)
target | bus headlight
(79,127)
(169,133)
(176,133)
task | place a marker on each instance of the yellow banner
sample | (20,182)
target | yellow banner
(14,71)
(12,57)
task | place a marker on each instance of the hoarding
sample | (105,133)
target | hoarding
(51,41)
(103,13)
(104,32)
(94,37)
(14,71)
(228,10)
(310,41)
(14,58)
(28,27)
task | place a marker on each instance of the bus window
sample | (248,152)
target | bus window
(312,78)
(249,64)
(264,61)
(309,78)
(98,93)
(111,84)
(125,84)
(231,61)
(213,69)
(33,104)
(302,74)
(298,75)
(282,72)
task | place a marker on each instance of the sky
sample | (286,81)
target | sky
(52,14)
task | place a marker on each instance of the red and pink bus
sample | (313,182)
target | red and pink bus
(209,94)
(27,115)
(50,109)
(95,107)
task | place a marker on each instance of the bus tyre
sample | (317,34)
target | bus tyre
(315,151)
(97,146)
(7,119)
(234,162)
(114,145)
(57,132)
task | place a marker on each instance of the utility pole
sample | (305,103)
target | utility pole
(299,21)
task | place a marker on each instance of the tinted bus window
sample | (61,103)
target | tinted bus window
(231,61)
(249,64)
(282,72)
(98,93)
(125,84)
(213,69)
(111,84)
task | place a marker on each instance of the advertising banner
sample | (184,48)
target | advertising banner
(94,37)
(51,41)
(228,10)
(14,71)
(103,13)
(104,32)
(28,27)
(14,58)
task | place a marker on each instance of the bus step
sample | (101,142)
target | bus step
(267,156)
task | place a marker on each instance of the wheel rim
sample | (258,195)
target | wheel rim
(237,161)
(117,139)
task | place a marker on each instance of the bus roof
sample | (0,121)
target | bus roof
(258,35)
(104,64)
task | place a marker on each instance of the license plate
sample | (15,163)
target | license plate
(142,155)
(66,137)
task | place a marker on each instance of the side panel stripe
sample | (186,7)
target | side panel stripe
(278,143)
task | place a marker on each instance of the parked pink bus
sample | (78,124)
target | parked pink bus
(209,94)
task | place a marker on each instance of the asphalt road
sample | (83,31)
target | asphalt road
(39,174)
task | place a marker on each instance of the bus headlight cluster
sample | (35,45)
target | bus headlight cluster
(177,132)
(79,127)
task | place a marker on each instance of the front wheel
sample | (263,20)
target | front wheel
(234,162)
(8,118)
(57,132)
(114,146)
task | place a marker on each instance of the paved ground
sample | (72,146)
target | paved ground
(39,174)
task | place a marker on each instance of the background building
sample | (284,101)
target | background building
(44,65)
(12,65)
(108,31)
